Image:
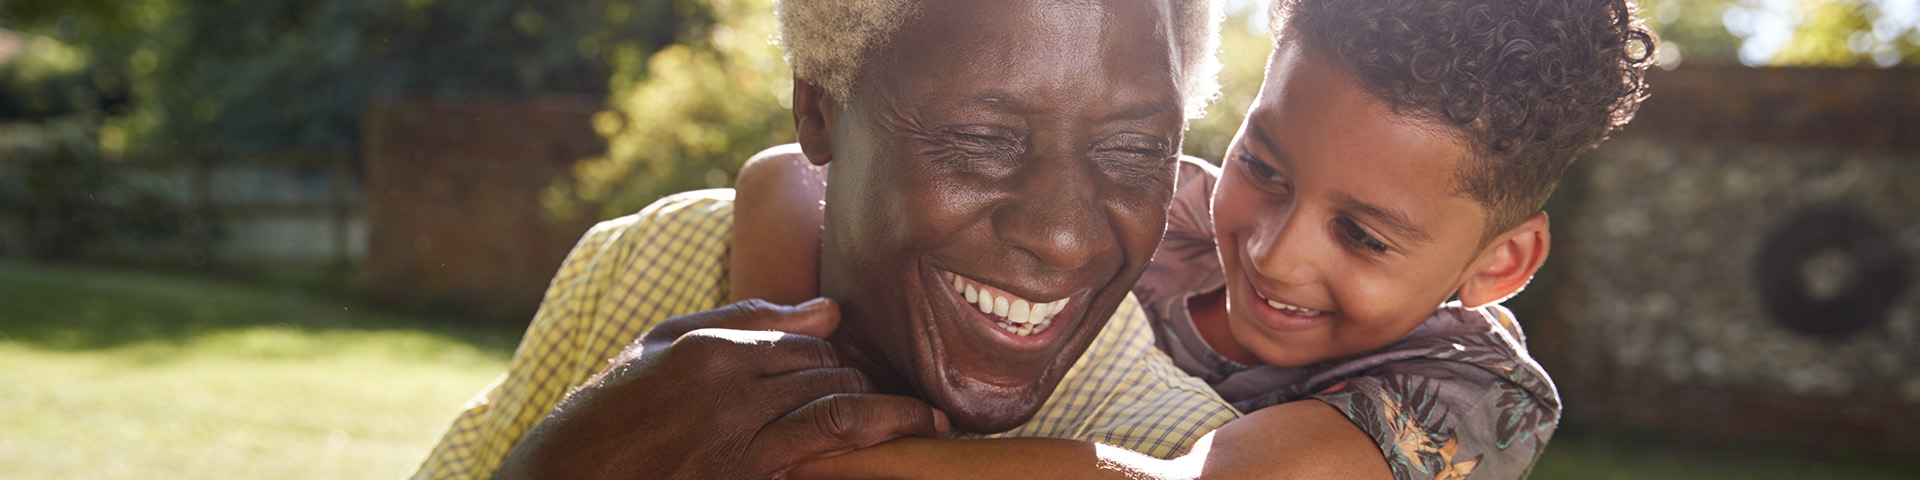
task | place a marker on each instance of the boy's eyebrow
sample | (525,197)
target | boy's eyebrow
(1259,136)
(1395,220)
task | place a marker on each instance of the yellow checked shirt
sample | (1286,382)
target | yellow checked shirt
(630,273)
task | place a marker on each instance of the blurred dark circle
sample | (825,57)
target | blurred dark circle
(1874,272)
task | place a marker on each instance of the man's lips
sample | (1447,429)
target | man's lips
(1017,316)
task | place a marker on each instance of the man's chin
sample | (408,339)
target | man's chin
(990,413)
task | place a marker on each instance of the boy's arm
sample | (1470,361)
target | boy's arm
(1305,439)
(776,228)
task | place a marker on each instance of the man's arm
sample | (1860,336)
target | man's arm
(663,271)
(1305,439)
(747,402)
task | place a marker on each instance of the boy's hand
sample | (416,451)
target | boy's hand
(716,394)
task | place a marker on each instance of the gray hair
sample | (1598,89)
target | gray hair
(826,41)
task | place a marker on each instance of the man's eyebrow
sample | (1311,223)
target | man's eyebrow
(1138,111)
(1393,219)
(1007,102)
(1001,101)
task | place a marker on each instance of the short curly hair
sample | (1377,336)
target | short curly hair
(1528,84)
(826,42)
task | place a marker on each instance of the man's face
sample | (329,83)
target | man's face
(1339,225)
(1021,149)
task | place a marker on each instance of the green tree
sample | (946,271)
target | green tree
(269,75)
(1694,29)
(1824,33)
(1845,33)
(1244,45)
(688,115)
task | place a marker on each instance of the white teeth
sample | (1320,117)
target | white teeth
(1017,315)
(1301,311)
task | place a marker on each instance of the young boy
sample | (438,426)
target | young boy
(1396,159)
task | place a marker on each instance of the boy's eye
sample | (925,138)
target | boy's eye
(1359,236)
(1261,171)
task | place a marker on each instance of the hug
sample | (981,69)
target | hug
(1000,265)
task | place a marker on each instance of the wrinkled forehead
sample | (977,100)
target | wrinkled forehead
(1075,58)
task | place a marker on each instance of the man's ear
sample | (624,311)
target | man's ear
(813,112)
(1508,263)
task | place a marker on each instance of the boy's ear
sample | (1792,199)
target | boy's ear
(1507,263)
(813,112)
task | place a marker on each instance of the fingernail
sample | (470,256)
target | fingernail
(810,305)
(940,422)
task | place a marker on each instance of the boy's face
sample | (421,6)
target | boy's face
(1338,222)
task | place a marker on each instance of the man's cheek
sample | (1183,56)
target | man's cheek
(1140,221)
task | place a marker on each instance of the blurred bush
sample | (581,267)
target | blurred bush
(1787,33)
(271,75)
(95,91)
(687,115)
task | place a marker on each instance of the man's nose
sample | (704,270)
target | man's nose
(1056,214)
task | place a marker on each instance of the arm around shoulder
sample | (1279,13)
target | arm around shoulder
(1300,440)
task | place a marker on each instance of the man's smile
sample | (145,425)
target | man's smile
(1016,315)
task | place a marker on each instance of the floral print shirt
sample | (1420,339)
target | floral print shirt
(1458,397)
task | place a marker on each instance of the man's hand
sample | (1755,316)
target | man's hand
(719,394)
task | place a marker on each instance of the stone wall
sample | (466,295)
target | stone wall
(1657,317)
(453,208)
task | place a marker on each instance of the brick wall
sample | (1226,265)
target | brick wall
(452,191)
(1656,317)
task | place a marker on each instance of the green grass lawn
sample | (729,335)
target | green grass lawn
(119,374)
(110,374)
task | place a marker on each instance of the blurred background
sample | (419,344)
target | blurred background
(288,238)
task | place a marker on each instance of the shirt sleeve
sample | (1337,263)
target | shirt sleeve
(1190,217)
(1186,256)
(1440,419)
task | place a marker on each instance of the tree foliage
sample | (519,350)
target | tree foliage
(689,116)
(1846,33)
(1818,33)
(269,75)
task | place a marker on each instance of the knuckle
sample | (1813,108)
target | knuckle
(817,350)
(835,418)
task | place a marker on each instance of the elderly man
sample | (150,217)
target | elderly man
(1020,147)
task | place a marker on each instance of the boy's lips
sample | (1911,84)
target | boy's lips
(1280,315)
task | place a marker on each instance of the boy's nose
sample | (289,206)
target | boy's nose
(1286,252)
